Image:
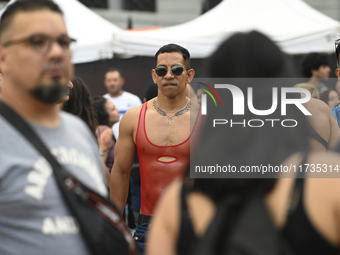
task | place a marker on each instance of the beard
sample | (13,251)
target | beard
(51,94)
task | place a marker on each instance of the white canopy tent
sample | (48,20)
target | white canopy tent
(293,24)
(92,32)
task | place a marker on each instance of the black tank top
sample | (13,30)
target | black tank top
(299,231)
(186,237)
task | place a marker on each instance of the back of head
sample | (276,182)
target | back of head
(250,55)
(169,48)
(99,106)
(313,61)
(24,6)
(313,91)
(80,103)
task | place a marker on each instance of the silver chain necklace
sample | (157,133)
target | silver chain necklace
(178,113)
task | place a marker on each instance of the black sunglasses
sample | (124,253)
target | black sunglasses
(162,70)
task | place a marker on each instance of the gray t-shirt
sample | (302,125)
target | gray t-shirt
(33,216)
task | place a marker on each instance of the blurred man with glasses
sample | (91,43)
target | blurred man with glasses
(160,132)
(35,60)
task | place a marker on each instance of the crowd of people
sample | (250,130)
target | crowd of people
(140,154)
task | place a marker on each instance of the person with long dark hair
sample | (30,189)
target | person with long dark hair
(80,103)
(187,208)
(107,115)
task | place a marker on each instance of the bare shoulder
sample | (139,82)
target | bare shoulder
(317,104)
(195,106)
(325,108)
(107,134)
(132,113)
(323,177)
(322,164)
(108,131)
(326,157)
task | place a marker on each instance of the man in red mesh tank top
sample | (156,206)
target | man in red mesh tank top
(160,131)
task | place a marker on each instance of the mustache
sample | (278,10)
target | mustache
(55,65)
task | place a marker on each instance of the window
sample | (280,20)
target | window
(140,5)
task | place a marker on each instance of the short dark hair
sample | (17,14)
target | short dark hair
(99,106)
(114,69)
(313,61)
(25,6)
(175,48)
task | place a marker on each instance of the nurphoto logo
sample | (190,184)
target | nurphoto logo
(240,101)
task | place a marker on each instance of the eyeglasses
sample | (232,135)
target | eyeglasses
(42,43)
(162,70)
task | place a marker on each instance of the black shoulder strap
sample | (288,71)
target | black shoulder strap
(313,134)
(297,192)
(24,128)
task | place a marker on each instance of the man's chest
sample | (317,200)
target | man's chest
(167,131)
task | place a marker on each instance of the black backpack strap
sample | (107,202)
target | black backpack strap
(25,129)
